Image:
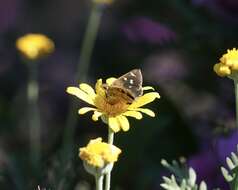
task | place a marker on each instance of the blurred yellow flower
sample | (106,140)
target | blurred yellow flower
(113,113)
(34,46)
(228,63)
(105,2)
(98,153)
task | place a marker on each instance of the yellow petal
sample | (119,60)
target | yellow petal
(96,115)
(146,111)
(148,88)
(88,89)
(145,99)
(110,80)
(124,123)
(80,94)
(134,114)
(222,70)
(99,89)
(113,124)
(98,84)
(85,110)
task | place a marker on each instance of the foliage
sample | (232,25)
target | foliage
(184,178)
(231,176)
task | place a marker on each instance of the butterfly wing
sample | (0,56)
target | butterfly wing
(130,83)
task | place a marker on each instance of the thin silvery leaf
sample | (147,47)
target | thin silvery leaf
(231,174)
(184,178)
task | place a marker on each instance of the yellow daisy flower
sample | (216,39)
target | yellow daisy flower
(99,154)
(228,64)
(114,113)
(34,46)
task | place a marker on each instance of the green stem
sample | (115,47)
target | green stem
(88,42)
(236,100)
(99,182)
(110,136)
(108,175)
(82,69)
(33,114)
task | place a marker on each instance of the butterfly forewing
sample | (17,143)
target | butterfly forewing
(130,83)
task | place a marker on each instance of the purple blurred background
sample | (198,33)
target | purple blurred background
(175,43)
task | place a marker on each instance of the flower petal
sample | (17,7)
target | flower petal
(88,89)
(134,114)
(124,123)
(146,111)
(85,110)
(96,115)
(80,94)
(99,88)
(145,99)
(110,80)
(114,124)
(148,88)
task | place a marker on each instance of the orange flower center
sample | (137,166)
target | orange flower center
(111,106)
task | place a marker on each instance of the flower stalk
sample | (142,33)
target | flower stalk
(99,181)
(33,114)
(32,48)
(88,42)
(108,175)
(110,136)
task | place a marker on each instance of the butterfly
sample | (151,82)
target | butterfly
(127,87)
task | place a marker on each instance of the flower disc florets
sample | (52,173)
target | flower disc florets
(98,153)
